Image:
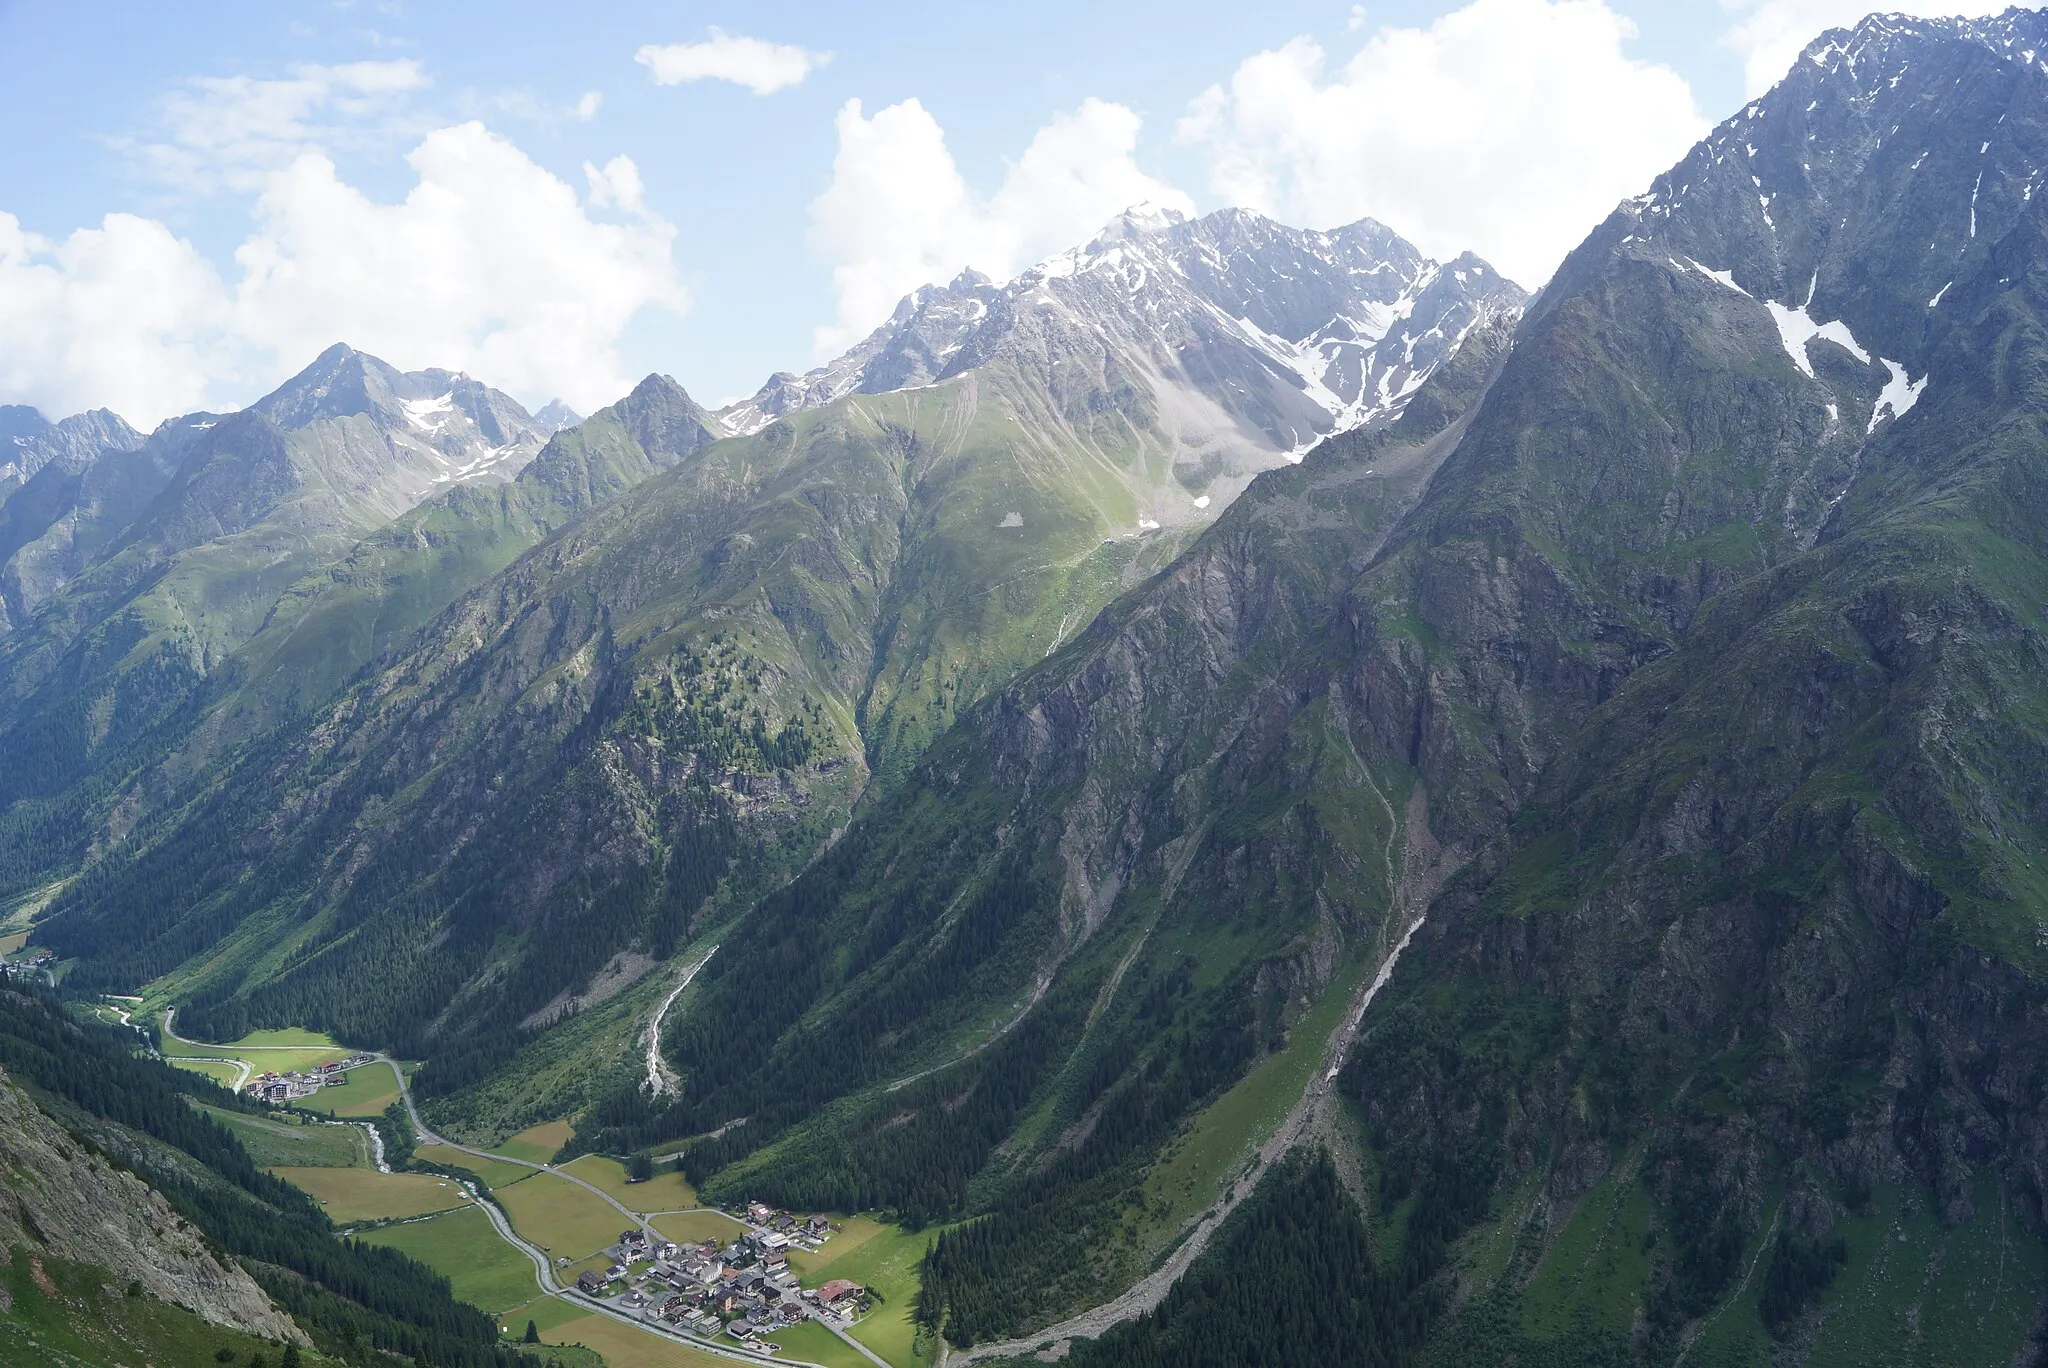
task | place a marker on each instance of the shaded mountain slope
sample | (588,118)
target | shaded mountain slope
(1704,677)
(204,627)
(696,678)
(75,502)
(146,574)
(121,1176)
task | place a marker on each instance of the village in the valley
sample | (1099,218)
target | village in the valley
(291,1085)
(744,1289)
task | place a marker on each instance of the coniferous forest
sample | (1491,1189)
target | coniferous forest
(359,1302)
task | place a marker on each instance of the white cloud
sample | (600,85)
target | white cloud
(1770,34)
(898,213)
(490,264)
(522,104)
(227,132)
(1508,127)
(123,316)
(761,66)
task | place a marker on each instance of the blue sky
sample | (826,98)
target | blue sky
(573,222)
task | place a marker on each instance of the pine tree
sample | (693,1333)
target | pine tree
(532,1333)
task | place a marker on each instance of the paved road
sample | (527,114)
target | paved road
(543,1269)
(545,1272)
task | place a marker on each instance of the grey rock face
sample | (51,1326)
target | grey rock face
(556,415)
(59,1197)
(28,441)
(465,430)
(1246,340)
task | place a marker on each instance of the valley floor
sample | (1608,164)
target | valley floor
(513,1232)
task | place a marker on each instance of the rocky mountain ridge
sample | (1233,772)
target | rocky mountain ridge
(64,1200)
(1684,699)
(1251,339)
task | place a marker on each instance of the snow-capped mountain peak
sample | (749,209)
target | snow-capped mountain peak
(1277,336)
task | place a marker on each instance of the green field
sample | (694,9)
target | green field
(625,1347)
(539,1144)
(546,1312)
(369,1090)
(813,1342)
(289,1037)
(663,1192)
(885,1259)
(558,1216)
(688,1227)
(496,1173)
(1226,1135)
(462,1245)
(273,1141)
(274,1050)
(362,1194)
(223,1074)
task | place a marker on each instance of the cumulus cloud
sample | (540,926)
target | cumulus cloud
(227,132)
(123,316)
(761,66)
(899,214)
(1508,127)
(1770,34)
(490,264)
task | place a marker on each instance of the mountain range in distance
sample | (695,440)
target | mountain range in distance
(1243,775)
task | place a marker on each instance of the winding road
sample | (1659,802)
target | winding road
(543,1269)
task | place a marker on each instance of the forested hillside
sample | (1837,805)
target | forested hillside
(357,1302)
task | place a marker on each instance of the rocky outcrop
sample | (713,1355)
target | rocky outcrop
(60,1198)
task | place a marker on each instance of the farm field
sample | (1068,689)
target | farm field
(544,1311)
(685,1227)
(275,1143)
(462,1246)
(538,1144)
(558,1216)
(663,1192)
(496,1173)
(885,1259)
(625,1347)
(369,1090)
(223,1074)
(363,1194)
(273,1050)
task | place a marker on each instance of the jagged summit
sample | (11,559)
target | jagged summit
(555,415)
(1267,337)
(1856,213)
(468,429)
(29,441)
(1141,220)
